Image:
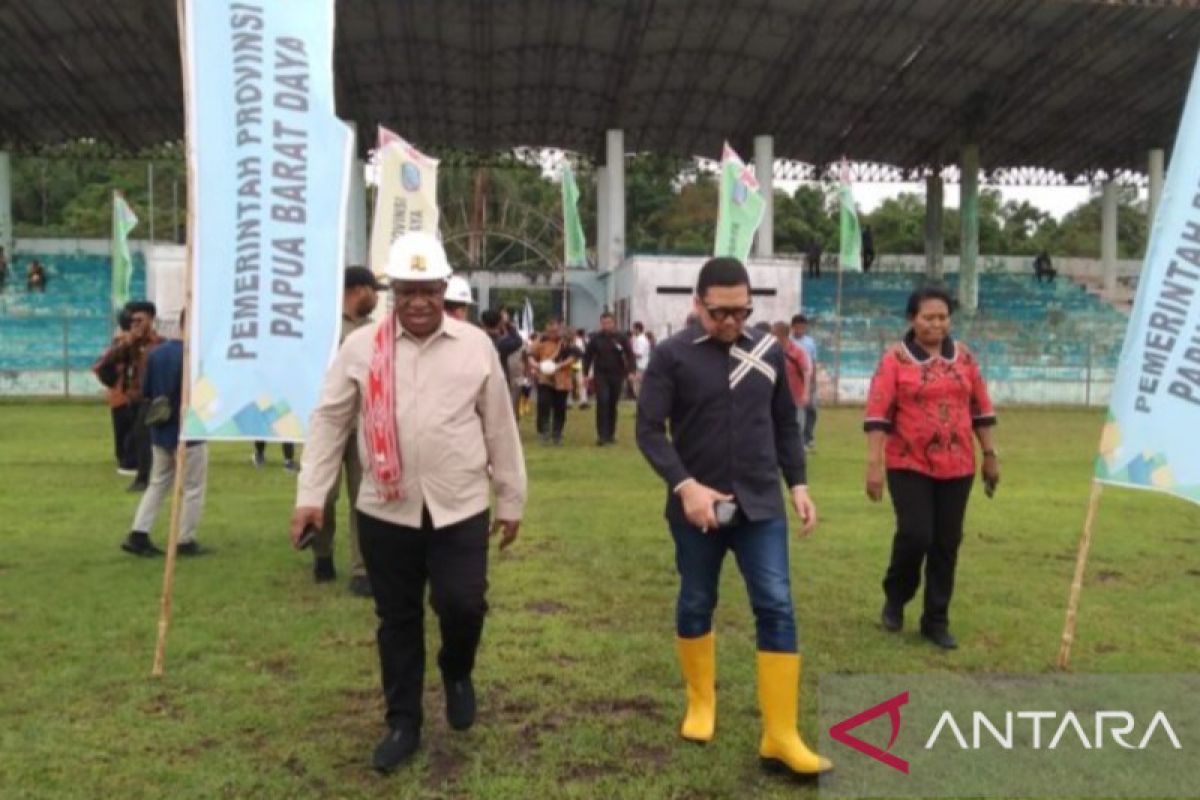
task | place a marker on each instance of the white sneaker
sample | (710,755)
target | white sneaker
(126,472)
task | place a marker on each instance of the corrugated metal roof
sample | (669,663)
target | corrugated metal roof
(1070,86)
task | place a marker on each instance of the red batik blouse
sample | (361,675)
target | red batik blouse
(929,405)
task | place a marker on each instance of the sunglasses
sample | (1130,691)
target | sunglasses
(722,313)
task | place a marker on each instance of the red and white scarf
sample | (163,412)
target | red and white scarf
(379,415)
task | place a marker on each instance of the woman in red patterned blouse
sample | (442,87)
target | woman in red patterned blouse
(926,400)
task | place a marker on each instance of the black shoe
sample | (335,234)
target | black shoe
(941,637)
(136,486)
(323,571)
(291,465)
(892,617)
(395,748)
(189,549)
(460,703)
(138,543)
(557,441)
(360,586)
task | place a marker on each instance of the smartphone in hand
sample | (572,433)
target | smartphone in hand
(307,536)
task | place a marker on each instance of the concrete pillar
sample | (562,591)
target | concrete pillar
(935,239)
(1108,234)
(1156,169)
(482,281)
(356,216)
(968,262)
(603,242)
(614,145)
(764,171)
(6,220)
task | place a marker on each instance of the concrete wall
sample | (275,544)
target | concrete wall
(639,279)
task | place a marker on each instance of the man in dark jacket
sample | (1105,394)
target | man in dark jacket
(717,422)
(609,359)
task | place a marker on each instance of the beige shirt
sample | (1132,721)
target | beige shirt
(455,423)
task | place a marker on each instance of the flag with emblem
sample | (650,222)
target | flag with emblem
(850,252)
(123,223)
(740,208)
(405,197)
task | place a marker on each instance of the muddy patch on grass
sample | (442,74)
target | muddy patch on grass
(445,766)
(549,607)
(162,705)
(1109,576)
(281,666)
(621,708)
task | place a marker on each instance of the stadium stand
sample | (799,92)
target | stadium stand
(70,324)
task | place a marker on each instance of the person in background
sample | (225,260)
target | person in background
(926,401)
(717,423)
(436,439)
(259,457)
(641,355)
(121,410)
(528,377)
(504,336)
(35,277)
(579,384)
(458,298)
(1044,268)
(552,358)
(799,372)
(868,248)
(3,269)
(360,295)
(129,358)
(812,259)
(163,378)
(608,358)
(804,340)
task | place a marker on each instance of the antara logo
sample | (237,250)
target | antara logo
(841,732)
(1114,726)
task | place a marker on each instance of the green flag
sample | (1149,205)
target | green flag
(574,243)
(740,209)
(850,256)
(124,221)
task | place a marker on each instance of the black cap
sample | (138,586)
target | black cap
(361,276)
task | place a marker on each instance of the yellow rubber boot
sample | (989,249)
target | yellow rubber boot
(778,693)
(698,658)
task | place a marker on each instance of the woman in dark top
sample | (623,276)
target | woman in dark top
(926,400)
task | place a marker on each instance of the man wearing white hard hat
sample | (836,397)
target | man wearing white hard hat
(458,298)
(435,435)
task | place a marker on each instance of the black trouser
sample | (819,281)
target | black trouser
(289,450)
(137,443)
(929,529)
(608,395)
(122,424)
(551,411)
(810,420)
(399,561)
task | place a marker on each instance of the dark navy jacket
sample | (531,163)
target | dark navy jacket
(723,415)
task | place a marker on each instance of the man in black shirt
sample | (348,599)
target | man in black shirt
(609,357)
(717,422)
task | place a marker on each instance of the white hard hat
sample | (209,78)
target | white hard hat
(459,291)
(417,256)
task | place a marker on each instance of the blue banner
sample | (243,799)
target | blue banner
(269,164)
(1149,440)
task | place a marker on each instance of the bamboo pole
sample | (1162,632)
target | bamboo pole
(164,609)
(1085,543)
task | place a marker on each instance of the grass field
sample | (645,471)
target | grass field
(271,688)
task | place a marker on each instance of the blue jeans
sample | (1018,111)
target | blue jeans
(761,550)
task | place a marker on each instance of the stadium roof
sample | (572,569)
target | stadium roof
(1067,85)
